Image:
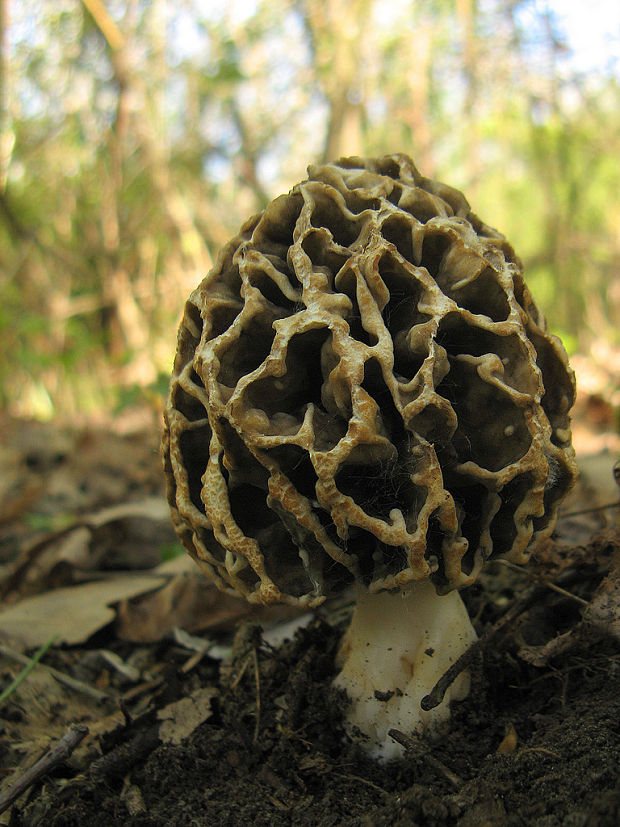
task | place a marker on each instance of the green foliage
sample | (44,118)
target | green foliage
(21,677)
(49,522)
(143,138)
(136,395)
(171,551)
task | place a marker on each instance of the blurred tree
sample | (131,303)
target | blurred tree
(338,33)
(6,131)
(135,137)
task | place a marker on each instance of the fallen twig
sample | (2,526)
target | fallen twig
(141,689)
(412,745)
(436,695)
(257,678)
(548,583)
(72,683)
(589,510)
(121,759)
(565,593)
(365,781)
(61,750)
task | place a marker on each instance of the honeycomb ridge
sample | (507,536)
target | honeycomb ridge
(364,390)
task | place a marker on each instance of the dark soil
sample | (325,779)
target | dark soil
(537,742)
(274,751)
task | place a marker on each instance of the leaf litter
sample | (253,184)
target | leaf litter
(202,711)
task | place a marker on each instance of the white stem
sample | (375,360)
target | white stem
(398,646)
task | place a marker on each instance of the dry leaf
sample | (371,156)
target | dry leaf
(603,612)
(182,717)
(188,601)
(508,743)
(73,613)
(126,536)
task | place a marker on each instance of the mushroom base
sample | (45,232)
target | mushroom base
(397,647)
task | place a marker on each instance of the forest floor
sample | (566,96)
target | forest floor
(159,701)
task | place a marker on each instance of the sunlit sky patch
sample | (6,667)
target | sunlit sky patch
(591,31)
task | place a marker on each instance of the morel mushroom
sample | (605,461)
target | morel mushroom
(365,393)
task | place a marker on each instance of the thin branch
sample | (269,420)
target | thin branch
(365,781)
(413,746)
(61,750)
(257,679)
(436,695)
(105,24)
(589,510)
(543,580)
(249,155)
(566,593)
(72,683)
(534,593)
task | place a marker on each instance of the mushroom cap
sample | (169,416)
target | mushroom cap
(364,390)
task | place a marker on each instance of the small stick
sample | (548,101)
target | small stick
(589,510)
(141,689)
(72,683)
(235,683)
(547,583)
(411,744)
(61,750)
(542,750)
(119,761)
(565,593)
(363,781)
(257,673)
(436,695)
(194,660)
